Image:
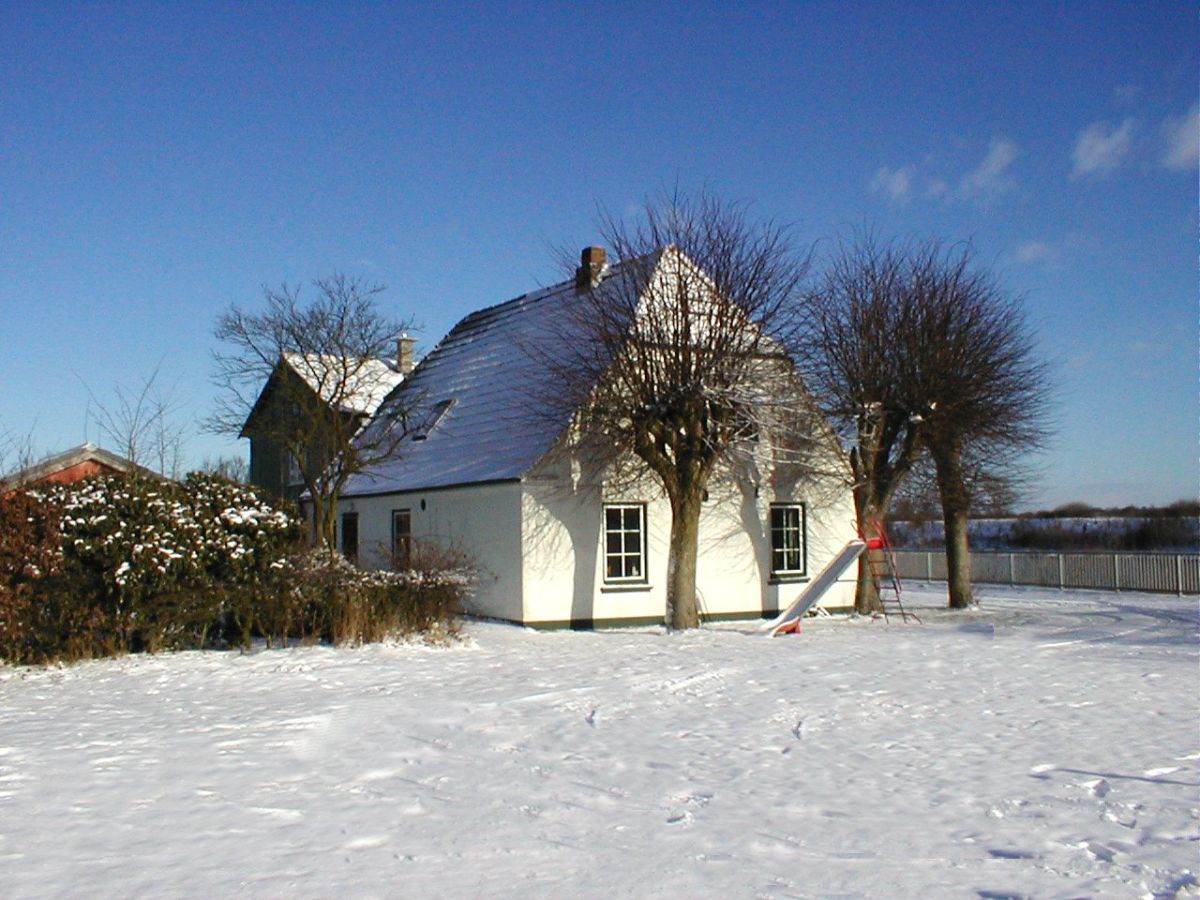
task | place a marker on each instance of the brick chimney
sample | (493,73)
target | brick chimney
(591,266)
(405,346)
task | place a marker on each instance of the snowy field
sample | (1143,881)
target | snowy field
(1047,745)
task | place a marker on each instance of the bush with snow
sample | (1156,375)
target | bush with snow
(114,565)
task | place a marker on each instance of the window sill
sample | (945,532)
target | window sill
(787,579)
(632,587)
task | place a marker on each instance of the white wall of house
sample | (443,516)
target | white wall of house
(563,573)
(539,545)
(483,521)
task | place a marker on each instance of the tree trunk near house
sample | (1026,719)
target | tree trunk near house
(866,595)
(324,523)
(955,510)
(681,567)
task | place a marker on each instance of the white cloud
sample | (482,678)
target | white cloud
(1183,140)
(937,188)
(896,183)
(1035,252)
(1101,147)
(990,178)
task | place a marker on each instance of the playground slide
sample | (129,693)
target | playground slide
(816,589)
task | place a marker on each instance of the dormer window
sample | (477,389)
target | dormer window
(435,418)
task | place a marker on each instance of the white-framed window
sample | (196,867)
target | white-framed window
(624,542)
(401,538)
(789,554)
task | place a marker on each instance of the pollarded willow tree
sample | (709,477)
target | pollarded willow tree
(675,358)
(853,357)
(984,389)
(305,375)
(913,350)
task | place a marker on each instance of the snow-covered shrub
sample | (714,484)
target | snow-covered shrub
(30,557)
(149,564)
(113,565)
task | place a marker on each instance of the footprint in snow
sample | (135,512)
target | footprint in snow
(698,799)
(1011,854)
(1099,852)
(1098,788)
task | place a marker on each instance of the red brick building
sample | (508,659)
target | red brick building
(73,465)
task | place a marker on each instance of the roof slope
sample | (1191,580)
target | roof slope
(87,452)
(480,387)
(361,386)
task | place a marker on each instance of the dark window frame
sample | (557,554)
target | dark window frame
(783,551)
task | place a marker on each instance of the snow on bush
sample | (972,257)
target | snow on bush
(112,565)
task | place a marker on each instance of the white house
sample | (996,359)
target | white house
(556,541)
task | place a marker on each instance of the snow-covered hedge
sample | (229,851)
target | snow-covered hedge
(113,565)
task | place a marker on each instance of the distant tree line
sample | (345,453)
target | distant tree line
(1178,509)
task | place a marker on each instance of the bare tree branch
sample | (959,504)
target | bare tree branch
(676,358)
(913,350)
(305,375)
(141,423)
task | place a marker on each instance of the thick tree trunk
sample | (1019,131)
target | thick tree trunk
(324,522)
(866,596)
(681,564)
(955,509)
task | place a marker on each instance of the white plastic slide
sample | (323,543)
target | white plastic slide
(816,589)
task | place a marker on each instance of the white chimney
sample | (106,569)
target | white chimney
(405,358)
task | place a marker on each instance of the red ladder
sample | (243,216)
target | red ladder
(885,574)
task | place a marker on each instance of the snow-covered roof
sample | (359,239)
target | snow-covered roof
(481,385)
(362,383)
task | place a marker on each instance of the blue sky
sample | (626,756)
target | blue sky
(159,162)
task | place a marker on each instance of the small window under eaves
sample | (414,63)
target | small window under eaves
(435,418)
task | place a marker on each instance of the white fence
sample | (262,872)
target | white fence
(1170,573)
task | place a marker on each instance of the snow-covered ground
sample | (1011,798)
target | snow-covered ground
(1046,745)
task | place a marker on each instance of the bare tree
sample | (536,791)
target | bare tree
(142,424)
(984,390)
(17,453)
(305,376)
(914,350)
(852,355)
(995,487)
(231,468)
(675,360)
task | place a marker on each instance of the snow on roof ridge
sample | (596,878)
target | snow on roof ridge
(372,388)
